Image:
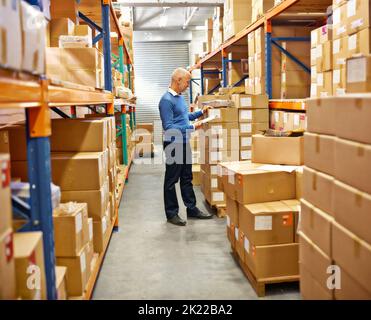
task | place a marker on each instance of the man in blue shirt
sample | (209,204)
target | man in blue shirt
(176,124)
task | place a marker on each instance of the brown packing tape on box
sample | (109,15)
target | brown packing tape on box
(316,225)
(352,164)
(313,259)
(350,289)
(319,152)
(352,254)
(318,189)
(310,289)
(352,208)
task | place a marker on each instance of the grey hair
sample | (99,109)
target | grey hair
(179,73)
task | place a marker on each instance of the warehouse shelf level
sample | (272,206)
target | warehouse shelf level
(315,11)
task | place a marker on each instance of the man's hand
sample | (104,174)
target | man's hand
(205,108)
(197,125)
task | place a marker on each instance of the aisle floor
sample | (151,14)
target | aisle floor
(149,258)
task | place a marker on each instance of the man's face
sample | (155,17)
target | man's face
(183,83)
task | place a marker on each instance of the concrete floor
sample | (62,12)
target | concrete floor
(149,258)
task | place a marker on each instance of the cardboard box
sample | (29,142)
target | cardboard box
(222,143)
(61,27)
(223,115)
(321,35)
(250,101)
(277,150)
(358,15)
(324,57)
(214,197)
(28,250)
(338,82)
(316,262)
(321,115)
(33,39)
(339,53)
(272,261)
(299,183)
(339,21)
(232,209)
(145,126)
(210,169)
(267,223)
(256,185)
(61,282)
(324,84)
(358,74)
(351,289)
(318,189)
(317,226)
(71,229)
(352,254)
(79,135)
(67,9)
(310,289)
(245,143)
(253,115)
(15,141)
(359,43)
(352,209)
(351,118)
(6,214)
(77,272)
(7,266)
(248,129)
(352,164)
(101,232)
(319,152)
(11,43)
(245,155)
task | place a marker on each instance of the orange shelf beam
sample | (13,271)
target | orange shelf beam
(294,105)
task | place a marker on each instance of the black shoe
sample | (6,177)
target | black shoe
(178,221)
(200,215)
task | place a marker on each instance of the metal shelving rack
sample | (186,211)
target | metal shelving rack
(315,11)
(38,96)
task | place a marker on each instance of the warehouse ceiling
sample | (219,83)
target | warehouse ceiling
(170,14)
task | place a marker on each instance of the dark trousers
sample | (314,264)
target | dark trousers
(178,167)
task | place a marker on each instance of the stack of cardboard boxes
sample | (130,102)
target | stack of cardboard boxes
(289,81)
(218,37)
(144,137)
(196,161)
(237,15)
(253,117)
(262,217)
(72,56)
(288,121)
(322,61)
(82,158)
(7,264)
(23,43)
(73,234)
(335,239)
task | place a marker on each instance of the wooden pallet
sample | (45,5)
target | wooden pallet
(259,285)
(220,209)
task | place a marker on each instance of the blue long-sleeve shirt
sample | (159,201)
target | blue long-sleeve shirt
(176,118)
